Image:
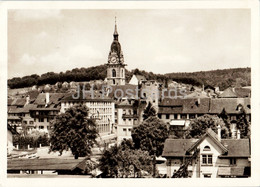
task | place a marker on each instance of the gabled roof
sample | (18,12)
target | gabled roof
(228,93)
(209,133)
(140,77)
(229,147)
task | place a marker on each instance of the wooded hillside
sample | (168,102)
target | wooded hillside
(222,78)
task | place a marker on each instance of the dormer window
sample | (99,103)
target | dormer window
(206,148)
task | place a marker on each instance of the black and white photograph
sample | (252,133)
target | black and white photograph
(122,92)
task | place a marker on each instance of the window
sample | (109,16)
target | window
(167,116)
(175,116)
(183,116)
(207,159)
(113,73)
(233,118)
(31,122)
(160,116)
(41,127)
(192,116)
(41,119)
(207,175)
(206,148)
(233,161)
(124,129)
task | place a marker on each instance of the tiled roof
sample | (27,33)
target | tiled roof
(10,101)
(18,102)
(237,147)
(243,92)
(230,105)
(196,106)
(170,110)
(230,147)
(54,98)
(177,147)
(25,109)
(204,105)
(228,93)
(44,164)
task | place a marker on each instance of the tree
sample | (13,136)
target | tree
(242,124)
(224,116)
(199,126)
(124,161)
(149,111)
(73,130)
(150,136)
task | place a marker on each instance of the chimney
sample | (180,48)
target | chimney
(27,100)
(219,132)
(238,134)
(47,100)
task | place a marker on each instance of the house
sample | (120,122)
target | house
(126,118)
(45,108)
(101,107)
(208,157)
(10,132)
(190,108)
(137,79)
(236,93)
(47,166)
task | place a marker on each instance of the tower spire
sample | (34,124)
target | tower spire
(115,32)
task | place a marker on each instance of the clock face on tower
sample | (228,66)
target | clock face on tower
(113,59)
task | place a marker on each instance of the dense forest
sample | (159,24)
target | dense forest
(222,78)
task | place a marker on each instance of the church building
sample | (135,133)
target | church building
(115,65)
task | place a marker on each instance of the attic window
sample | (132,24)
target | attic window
(206,148)
(249,106)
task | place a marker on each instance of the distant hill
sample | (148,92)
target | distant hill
(222,78)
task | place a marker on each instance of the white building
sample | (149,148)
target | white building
(101,108)
(210,156)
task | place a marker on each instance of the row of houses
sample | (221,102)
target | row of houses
(119,116)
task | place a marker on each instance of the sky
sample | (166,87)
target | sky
(160,41)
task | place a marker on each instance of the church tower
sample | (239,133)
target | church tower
(115,65)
